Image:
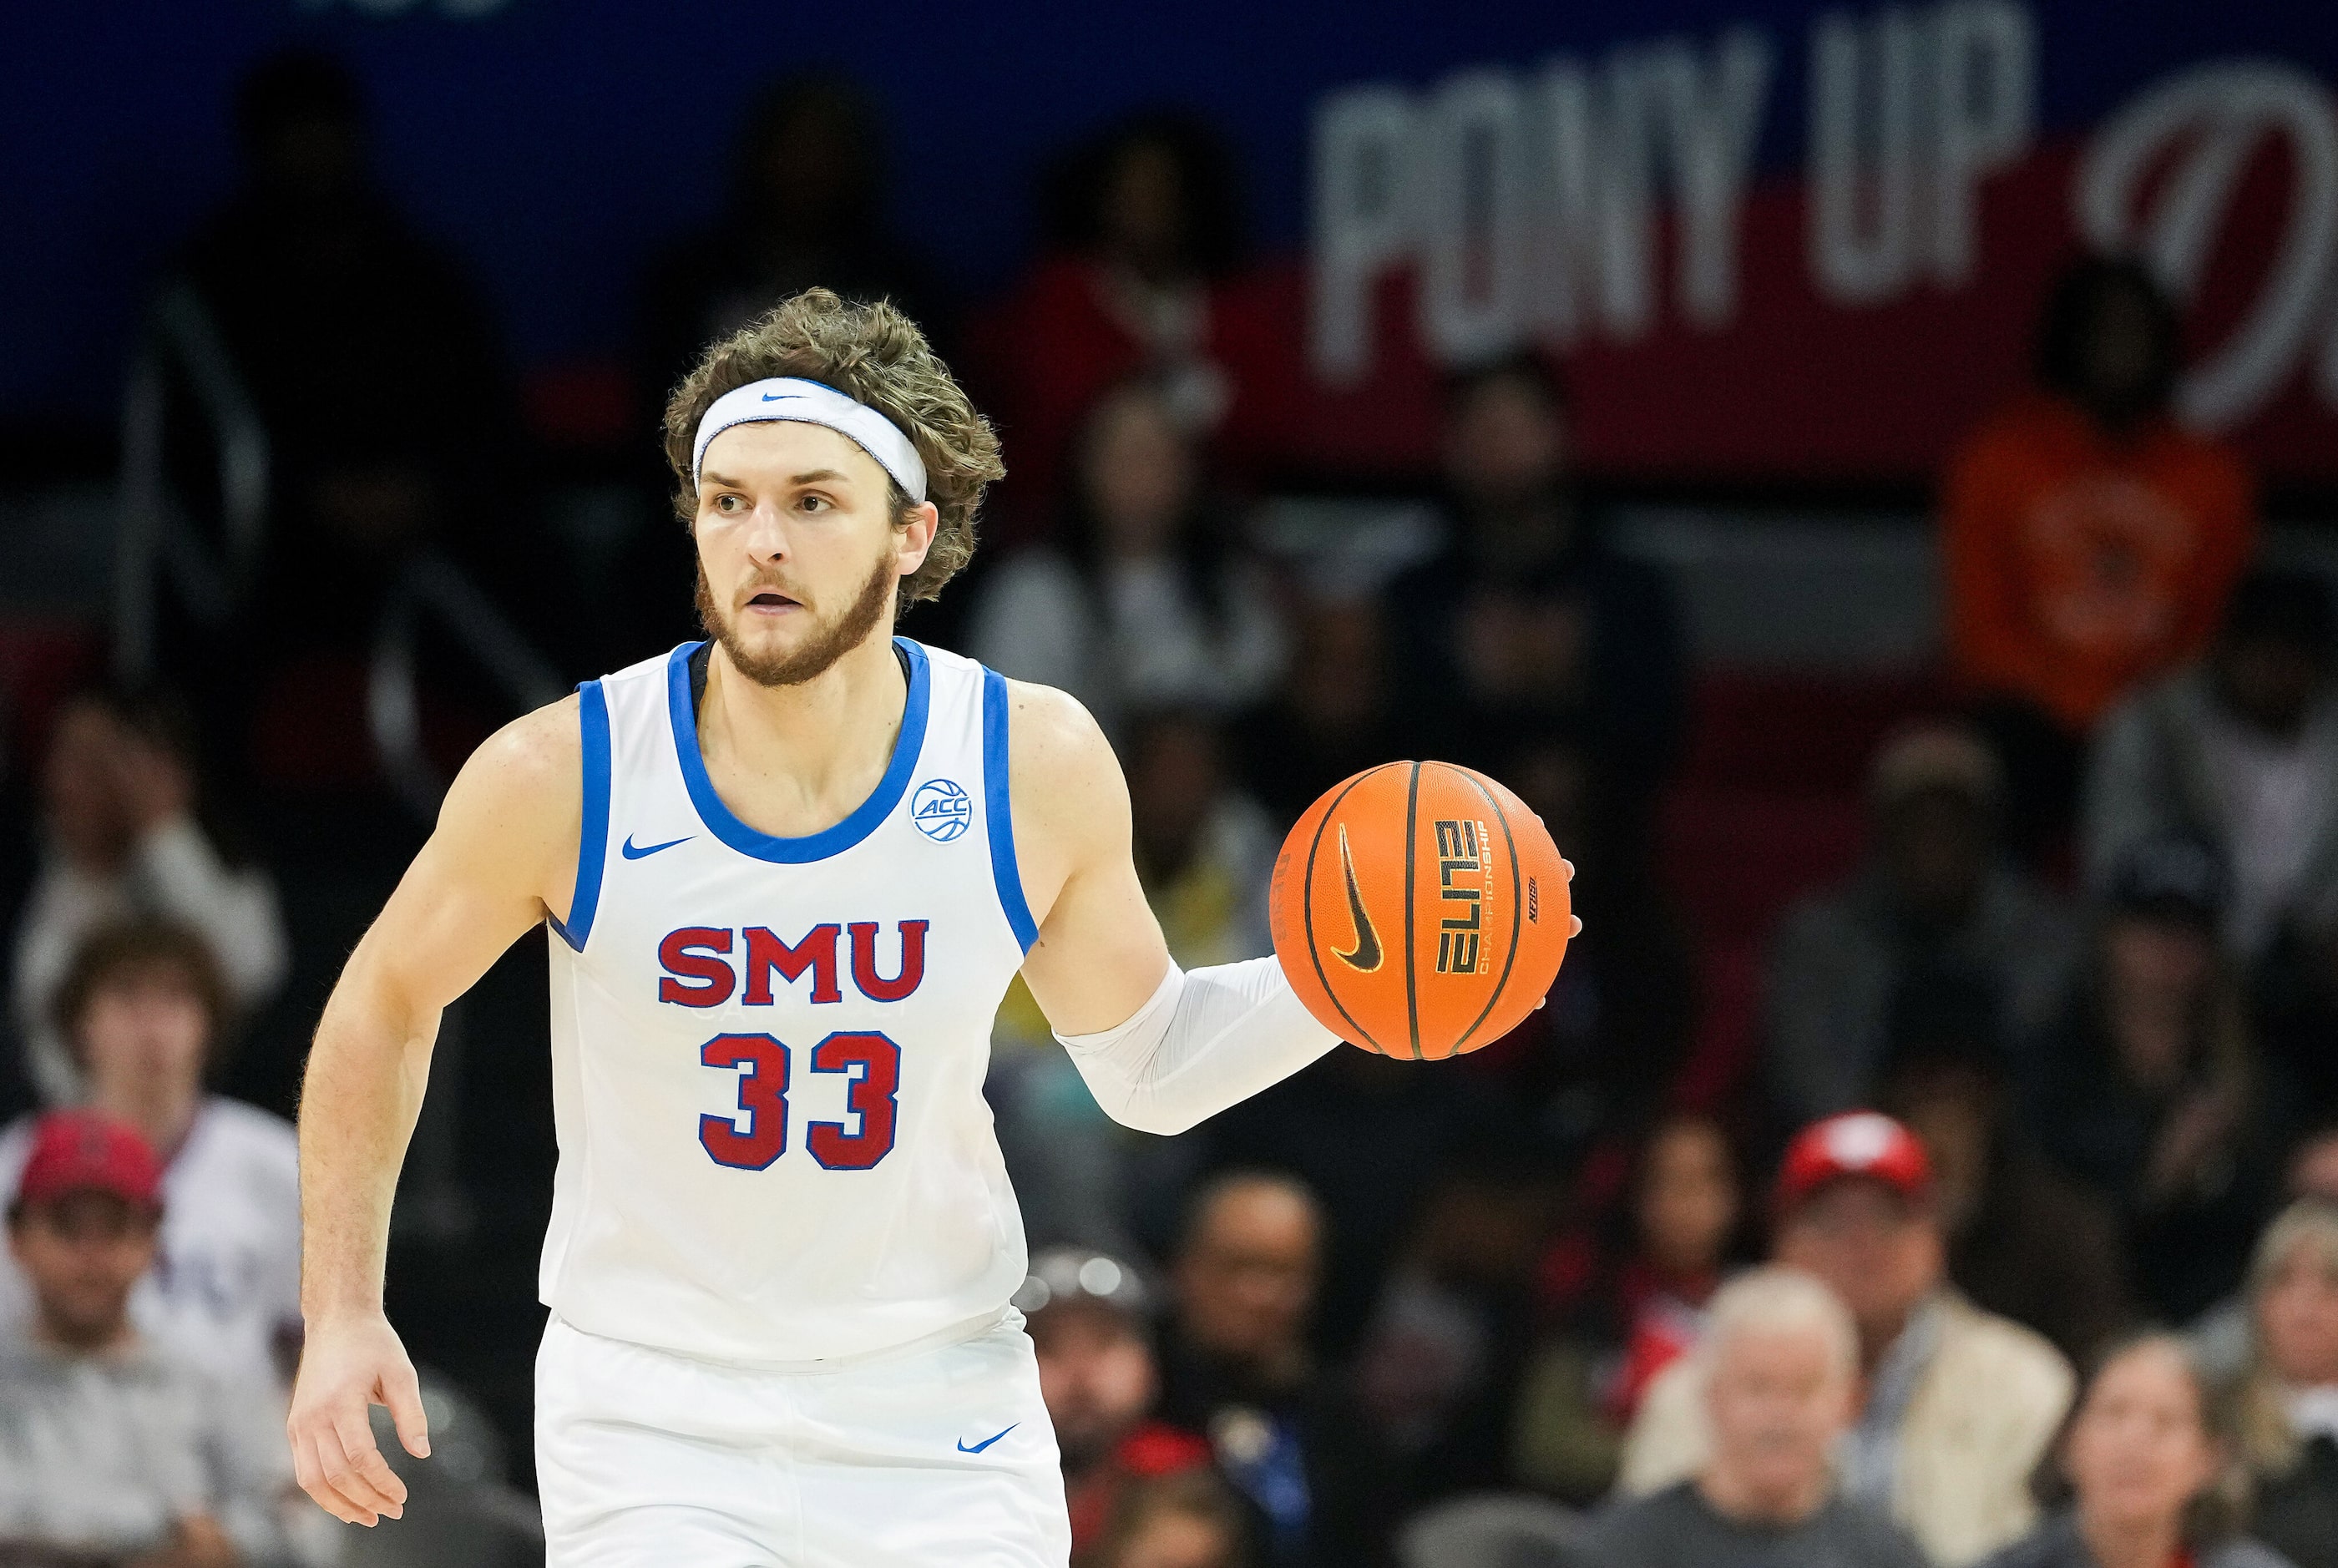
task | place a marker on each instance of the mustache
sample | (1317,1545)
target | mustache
(763,582)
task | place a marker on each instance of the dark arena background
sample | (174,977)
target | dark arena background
(1866,476)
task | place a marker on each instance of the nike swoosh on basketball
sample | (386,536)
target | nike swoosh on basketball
(966,1448)
(1366,956)
(633,851)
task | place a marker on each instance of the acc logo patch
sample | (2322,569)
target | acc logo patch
(941,809)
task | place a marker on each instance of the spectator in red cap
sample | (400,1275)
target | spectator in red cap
(1957,1404)
(141,1007)
(1090,1322)
(111,1447)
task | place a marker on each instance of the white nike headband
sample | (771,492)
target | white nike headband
(789,398)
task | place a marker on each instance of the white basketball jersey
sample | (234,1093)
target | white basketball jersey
(767,1054)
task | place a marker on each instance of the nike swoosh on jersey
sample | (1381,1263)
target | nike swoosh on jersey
(964,1447)
(633,851)
(1366,956)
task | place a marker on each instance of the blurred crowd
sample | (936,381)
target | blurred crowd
(2005,1228)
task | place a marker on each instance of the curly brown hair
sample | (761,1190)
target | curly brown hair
(877,355)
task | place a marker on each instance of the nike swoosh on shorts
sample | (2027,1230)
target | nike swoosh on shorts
(964,1447)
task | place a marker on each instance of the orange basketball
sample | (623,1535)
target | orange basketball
(1420,910)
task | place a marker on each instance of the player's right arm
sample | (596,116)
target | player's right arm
(503,855)
(1161,1049)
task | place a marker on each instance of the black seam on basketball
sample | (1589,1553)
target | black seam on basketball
(1411,982)
(1518,913)
(1307,907)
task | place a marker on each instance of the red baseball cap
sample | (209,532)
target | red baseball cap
(82,1151)
(1856,1143)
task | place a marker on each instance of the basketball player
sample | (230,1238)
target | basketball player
(789,873)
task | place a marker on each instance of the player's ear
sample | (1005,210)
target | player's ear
(916,526)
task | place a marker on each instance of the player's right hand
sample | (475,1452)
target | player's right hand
(347,1364)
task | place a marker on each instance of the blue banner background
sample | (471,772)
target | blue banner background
(554,142)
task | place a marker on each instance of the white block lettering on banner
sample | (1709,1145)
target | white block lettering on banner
(1472,191)
(1712,119)
(1362,221)
(1865,79)
(1984,114)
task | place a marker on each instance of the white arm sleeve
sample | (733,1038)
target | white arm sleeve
(1206,1041)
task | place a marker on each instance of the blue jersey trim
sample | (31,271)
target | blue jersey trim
(998,810)
(816,846)
(593,841)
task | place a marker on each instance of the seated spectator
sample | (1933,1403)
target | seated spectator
(317,284)
(2144,1466)
(806,207)
(1631,1317)
(2149,1087)
(1778,1374)
(1203,850)
(1238,1370)
(123,837)
(1145,237)
(2024,1241)
(1606,1049)
(1526,614)
(2313,1165)
(2289,1395)
(1144,601)
(1934,893)
(2239,750)
(1438,1371)
(2089,540)
(1957,1406)
(141,1009)
(1090,1325)
(1186,1520)
(1366,1137)
(112,1448)
(1331,717)
(2223,1338)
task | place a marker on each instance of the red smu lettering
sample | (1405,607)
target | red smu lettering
(816,951)
(864,960)
(714,975)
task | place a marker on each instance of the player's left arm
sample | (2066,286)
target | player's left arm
(1161,1049)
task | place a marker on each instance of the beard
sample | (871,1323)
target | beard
(828,640)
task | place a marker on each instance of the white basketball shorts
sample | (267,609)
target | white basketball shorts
(938,1457)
